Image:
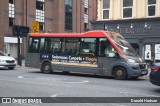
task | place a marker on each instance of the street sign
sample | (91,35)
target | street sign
(157,51)
(35,27)
(21,31)
(147,55)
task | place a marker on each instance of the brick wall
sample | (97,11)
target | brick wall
(54,17)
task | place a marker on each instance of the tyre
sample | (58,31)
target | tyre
(120,73)
(46,68)
(11,68)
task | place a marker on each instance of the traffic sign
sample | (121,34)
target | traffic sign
(21,31)
(35,27)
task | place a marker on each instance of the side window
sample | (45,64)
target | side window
(70,46)
(34,45)
(42,48)
(29,44)
(53,46)
(88,46)
(106,49)
(102,46)
(110,50)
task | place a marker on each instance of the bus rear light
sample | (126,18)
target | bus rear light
(154,68)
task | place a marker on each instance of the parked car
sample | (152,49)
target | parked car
(155,74)
(7,61)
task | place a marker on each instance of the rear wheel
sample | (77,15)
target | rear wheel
(120,73)
(46,68)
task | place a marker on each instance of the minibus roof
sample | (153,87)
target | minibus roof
(95,33)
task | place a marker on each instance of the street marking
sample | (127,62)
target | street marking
(54,95)
(53,79)
(20,76)
(35,83)
(85,81)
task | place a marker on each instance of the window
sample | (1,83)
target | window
(53,46)
(70,46)
(85,10)
(40,13)
(88,46)
(11,12)
(85,15)
(106,49)
(151,7)
(68,15)
(106,8)
(11,21)
(42,45)
(127,8)
(11,1)
(34,45)
(85,26)
(102,46)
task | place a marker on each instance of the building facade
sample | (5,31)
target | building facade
(137,20)
(55,16)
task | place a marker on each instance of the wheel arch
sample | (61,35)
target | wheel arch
(113,68)
(44,61)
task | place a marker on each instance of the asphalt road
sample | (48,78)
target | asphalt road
(30,82)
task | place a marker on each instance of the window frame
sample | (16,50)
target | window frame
(40,15)
(105,10)
(149,5)
(132,7)
(67,17)
(11,13)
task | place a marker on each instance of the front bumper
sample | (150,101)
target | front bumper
(138,69)
(7,65)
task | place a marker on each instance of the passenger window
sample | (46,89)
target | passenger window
(88,46)
(70,46)
(53,46)
(42,48)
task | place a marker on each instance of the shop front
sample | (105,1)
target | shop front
(142,34)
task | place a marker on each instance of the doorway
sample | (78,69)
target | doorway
(136,47)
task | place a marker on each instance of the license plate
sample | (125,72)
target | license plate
(144,72)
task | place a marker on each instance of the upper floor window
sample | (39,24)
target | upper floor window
(127,8)
(11,12)
(85,10)
(40,13)
(68,15)
(106,8)
(151,7)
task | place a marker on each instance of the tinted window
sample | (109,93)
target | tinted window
(34,45)
(70,46)
(88,46)
(53,45)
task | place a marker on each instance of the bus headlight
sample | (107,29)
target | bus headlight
(131,61)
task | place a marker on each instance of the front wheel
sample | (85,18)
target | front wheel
(46,68)
(120,73)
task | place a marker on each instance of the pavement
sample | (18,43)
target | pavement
(23,64)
